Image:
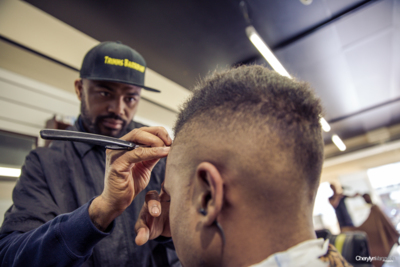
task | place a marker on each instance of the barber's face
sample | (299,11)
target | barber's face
(107,107)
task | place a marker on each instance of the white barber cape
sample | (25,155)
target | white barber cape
(304,254)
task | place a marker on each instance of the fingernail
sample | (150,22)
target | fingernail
(155,210)
(166,149)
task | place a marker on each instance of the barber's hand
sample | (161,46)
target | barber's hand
(153,218)
(128,173)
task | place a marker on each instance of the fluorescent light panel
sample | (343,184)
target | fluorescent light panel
(265,51)
(10,172)
(324,124)
(338,142)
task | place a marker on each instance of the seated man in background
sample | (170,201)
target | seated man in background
(382,235)
(242,175)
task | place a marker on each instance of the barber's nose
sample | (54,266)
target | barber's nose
(117,106)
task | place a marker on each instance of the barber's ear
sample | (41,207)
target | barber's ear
(209,192)
(78,88)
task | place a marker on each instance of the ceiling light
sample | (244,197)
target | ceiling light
(338,142)
(265,51)
(306,2)
(10,172)
(324,124)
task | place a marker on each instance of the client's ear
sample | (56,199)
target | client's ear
(208,191)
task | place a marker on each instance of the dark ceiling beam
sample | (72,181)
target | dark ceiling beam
(36,53)
(363,111)
(323,24)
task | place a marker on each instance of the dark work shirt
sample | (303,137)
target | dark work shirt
(64,179)
(342,214)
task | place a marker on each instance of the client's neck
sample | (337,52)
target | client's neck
(251,239)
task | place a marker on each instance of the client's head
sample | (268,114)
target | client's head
(247,154)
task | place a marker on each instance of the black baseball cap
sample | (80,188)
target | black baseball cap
(114,62)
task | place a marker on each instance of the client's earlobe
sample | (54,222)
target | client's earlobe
(204,213)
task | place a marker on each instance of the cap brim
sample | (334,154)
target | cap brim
(145,87)
(119,81)
(151,89)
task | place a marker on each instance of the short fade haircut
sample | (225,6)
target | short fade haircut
(259,97)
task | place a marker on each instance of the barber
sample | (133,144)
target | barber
(76,204)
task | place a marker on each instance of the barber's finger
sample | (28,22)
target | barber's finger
(153,203)
(142,236)
(141,228)
(161,132)
(146,154)
(141,137)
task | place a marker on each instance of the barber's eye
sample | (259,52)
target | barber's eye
(131,99)
(105,94)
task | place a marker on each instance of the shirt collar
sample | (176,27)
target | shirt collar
(306,253)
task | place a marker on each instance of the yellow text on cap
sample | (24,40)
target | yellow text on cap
(124,63)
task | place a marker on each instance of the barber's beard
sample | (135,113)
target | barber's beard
(94,126)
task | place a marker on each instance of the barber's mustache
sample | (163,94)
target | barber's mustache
(111,116)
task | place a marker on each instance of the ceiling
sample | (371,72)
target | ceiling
(349,50)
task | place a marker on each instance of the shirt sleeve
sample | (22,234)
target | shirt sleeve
(67,240)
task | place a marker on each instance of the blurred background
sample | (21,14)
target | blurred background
(348,50)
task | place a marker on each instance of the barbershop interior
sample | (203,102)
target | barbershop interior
(347,50)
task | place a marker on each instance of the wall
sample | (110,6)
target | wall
(5,197)
(28,26)
(360,160)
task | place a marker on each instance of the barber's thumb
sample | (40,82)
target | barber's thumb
(153,203)
(142,236)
